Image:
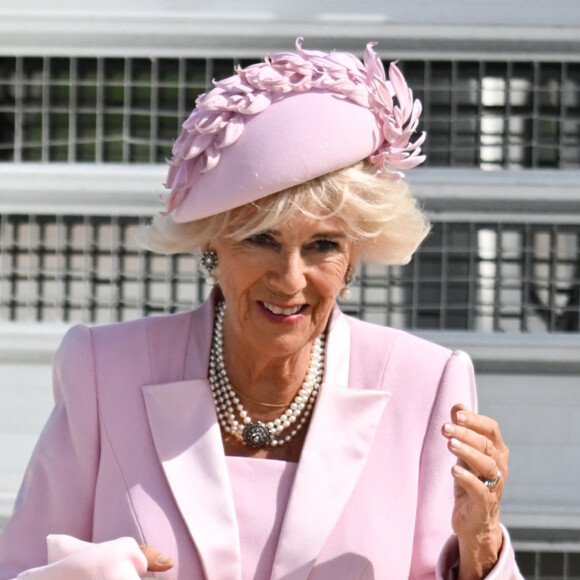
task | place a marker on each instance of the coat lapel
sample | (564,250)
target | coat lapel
(328,472)
(189,446)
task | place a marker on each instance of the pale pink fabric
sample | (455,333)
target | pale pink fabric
(261,489)
(133,449)
(69,558)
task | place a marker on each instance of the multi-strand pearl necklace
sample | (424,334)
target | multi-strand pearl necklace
(232,415)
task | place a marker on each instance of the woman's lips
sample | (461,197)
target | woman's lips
(279,310)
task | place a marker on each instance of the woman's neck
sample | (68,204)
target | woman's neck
(262,380)
(260,383)
(271,394)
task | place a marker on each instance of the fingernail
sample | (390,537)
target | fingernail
(164,560)
(455,443)
(448,428)
(461,417)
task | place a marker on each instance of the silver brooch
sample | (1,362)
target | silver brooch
(256,434)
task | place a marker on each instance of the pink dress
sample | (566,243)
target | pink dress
(260,487)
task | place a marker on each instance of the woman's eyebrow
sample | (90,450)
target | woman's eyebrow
(329,234)
(334,234)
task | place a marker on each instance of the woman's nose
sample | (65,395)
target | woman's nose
(289,275)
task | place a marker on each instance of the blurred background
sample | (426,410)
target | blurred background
(92,97)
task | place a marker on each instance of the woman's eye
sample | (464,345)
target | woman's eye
(326,245)
(262,240)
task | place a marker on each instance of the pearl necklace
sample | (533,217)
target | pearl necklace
(228,404)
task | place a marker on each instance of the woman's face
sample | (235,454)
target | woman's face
(280,285)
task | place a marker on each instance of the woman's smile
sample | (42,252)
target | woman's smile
(282,311)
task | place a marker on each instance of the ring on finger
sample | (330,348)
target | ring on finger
(491,483)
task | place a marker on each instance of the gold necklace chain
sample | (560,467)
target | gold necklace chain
(272,405)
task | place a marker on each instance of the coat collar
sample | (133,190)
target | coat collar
(187,438)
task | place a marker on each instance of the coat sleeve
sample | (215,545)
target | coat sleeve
(58,489)
(457,385)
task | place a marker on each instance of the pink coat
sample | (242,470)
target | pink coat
(133,449)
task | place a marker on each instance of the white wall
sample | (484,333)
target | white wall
(256,27)
(501,12)
(26,353)
(25,403)
(538,415)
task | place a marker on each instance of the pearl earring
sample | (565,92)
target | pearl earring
(348,280)
(209,261)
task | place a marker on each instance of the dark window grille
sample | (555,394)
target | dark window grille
(486,114)
(88,269)
(499,114)
(549,564)
(487,277)
(479,276)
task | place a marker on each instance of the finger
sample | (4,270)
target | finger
(481,464)
(472,485)
(481,424)
(156,561)
(469,437)
(487,427)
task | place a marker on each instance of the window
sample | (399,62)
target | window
(129,110)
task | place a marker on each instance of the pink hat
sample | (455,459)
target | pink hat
(288,120)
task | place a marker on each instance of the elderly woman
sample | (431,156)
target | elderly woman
(266,434)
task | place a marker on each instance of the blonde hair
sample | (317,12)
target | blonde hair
(379,215)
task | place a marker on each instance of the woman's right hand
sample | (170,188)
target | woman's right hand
(156,561)
(120,559)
